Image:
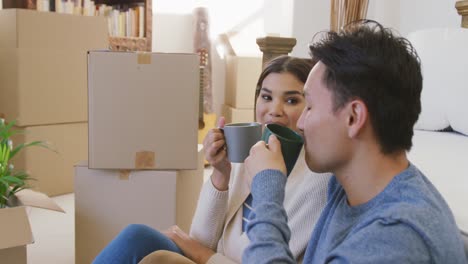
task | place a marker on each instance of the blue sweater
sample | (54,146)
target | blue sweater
(408,222)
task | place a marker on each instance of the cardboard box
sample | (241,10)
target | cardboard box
(241,80)
(43,65)
(143,110)
(53,170)
(15,228)
(106,201)
(236,115)
(29,29)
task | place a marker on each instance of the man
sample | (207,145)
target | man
(362,100)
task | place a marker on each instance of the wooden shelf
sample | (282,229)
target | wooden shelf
(131,43)
(128,44)
(18,4)
(118,2)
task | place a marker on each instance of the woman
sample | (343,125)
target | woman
(217,234)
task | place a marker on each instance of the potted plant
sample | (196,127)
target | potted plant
(12,180)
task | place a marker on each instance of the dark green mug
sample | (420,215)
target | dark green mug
(291,143)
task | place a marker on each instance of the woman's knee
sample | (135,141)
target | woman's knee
(144,236)
(136,231)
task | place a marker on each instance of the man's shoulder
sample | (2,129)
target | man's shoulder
(409,214)
(411,199)
(412,196)
(414,208)
(388,240)
(412,226)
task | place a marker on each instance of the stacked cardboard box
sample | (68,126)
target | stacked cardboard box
(145,166)
(106,201)
(43,87)
(242,74)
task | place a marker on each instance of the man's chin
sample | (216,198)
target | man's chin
(313,166)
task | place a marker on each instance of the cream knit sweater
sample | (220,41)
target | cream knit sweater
(217,222)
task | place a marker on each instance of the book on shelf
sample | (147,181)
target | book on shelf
(124,20)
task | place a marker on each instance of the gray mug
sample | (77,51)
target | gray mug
(240,137)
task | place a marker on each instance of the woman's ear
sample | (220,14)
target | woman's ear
(357,117)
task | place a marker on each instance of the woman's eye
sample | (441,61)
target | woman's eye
(266,97)
(292,101)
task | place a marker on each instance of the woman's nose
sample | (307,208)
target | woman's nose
(276,109)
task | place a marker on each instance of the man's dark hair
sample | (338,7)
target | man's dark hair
(367,61)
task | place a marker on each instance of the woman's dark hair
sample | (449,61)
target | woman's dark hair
(367,61)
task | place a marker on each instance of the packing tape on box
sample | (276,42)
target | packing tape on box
(124,175)
(144,57)
(145,160)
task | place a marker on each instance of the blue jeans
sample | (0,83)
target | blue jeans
(133,243)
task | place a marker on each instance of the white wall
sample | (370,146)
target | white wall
(404,16)
(385,12)
(248,19)
(309,17)
(278,17)
(421,14)
(172,33)
(301,19)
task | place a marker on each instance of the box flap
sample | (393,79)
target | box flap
(36,199)
(15,229)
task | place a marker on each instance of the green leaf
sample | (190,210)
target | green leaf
(3,188)
(3,201)
(4,183)
(16,132)
(19,188)
(23,176)
(6,131)
(4,153)
(30,144)
(12,179)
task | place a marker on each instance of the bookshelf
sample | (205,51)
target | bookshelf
(119,39)
(133,43)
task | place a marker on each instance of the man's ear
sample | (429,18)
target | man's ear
(357,115)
